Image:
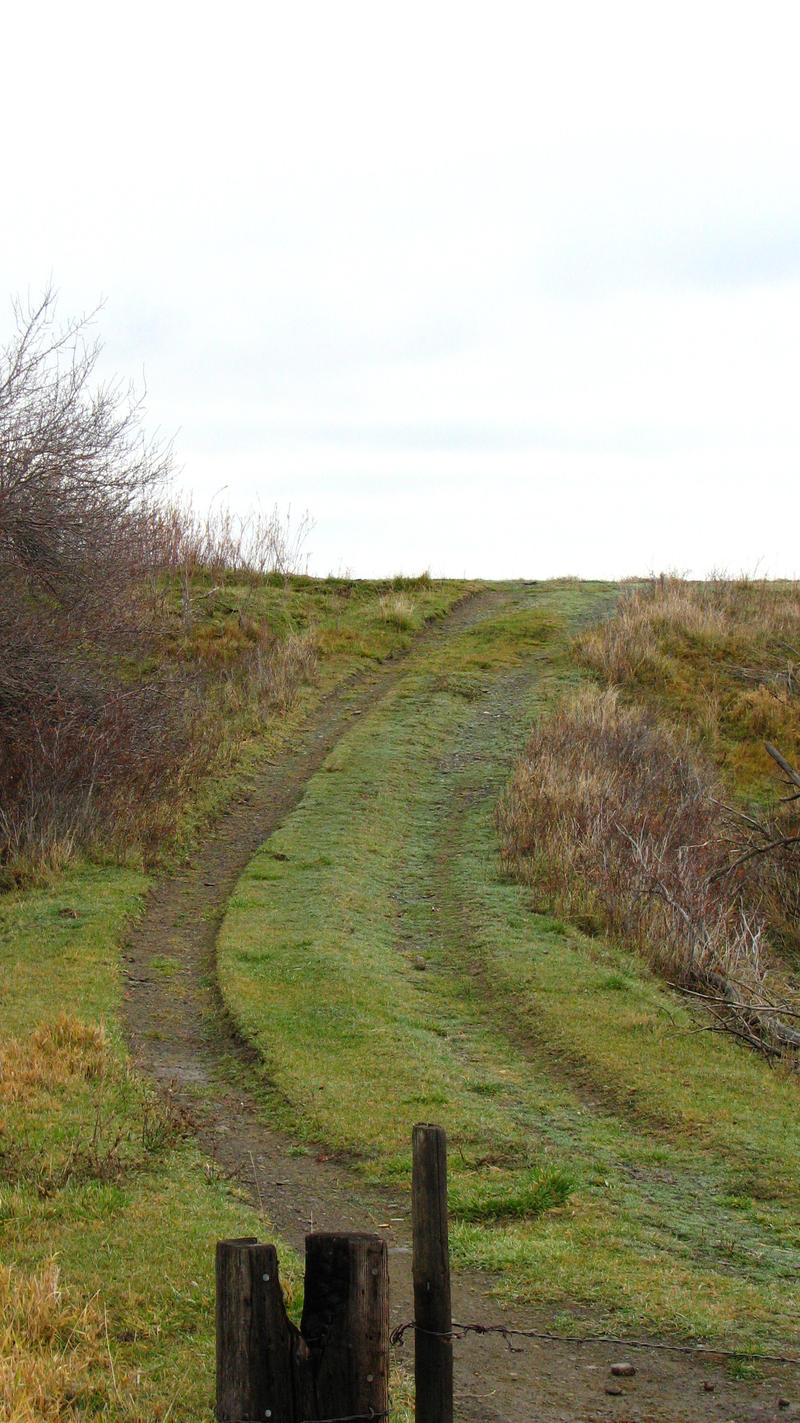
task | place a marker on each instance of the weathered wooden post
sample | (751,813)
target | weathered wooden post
(336,1365)
(255,1340)
(345,1327)
(433,1344)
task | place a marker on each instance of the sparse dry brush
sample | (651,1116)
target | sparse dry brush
(621,822)
(611,815)
(722,659)
(619,814)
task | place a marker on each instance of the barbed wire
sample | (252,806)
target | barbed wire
(460,1331)
(370,1417)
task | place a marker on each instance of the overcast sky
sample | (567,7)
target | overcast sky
(504,290)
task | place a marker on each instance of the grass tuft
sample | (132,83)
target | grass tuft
(529,1195)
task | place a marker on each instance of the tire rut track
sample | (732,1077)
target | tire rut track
(181,1036)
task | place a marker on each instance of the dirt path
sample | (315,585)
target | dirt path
(178,1031)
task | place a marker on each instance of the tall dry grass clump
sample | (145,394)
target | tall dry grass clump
(722,659)
(723,654)
(613,816)
(50,1348)
(400,611)
(54,1054)
(57,1356)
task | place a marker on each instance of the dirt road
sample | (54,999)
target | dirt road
(179,1032)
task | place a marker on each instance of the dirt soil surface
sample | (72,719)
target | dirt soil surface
(181,1036)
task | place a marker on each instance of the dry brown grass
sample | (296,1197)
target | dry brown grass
(52,1057)
(56,1356)
(107,1133)
(619,820)
(400,611)
(723,655)
(50,1347)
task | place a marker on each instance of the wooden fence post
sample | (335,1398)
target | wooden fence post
(345,1327)
(255,1340)
(433,1345)
(336,1365)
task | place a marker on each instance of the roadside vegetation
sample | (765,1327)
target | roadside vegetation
(607,1153)
(414,956)
(650,807)
(145,645)
(108,1212)
(721,656)
(152,658)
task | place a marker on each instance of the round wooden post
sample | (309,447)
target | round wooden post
(345,1327)
(254,1337)
(433,1345)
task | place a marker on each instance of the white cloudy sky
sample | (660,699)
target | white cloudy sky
(487,288)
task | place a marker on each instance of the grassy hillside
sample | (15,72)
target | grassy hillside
(652,806)
(605,1150)
(609,1154)
(108,1212)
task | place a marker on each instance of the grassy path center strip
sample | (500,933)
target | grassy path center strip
(386,974)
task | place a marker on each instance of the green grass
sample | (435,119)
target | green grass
(604,1150)
(388,974)
(94,1175)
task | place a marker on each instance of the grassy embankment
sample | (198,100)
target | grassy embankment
(722,657)
(605,1151)
(108,1213)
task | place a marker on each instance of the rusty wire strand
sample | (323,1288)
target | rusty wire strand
(353,1417)
(459,1331)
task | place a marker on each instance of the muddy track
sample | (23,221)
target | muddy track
(181,1036)
(175,1022)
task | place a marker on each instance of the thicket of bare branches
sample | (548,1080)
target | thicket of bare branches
(99,731)
(616,818)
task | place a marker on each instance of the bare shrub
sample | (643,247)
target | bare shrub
(612,815)
(76,720)
(723,657)
(105,722)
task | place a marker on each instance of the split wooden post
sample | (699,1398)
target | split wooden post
(254,1336)
(345,1327)
(336,1365)
(433,1344)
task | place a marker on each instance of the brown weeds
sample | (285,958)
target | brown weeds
(614,817)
